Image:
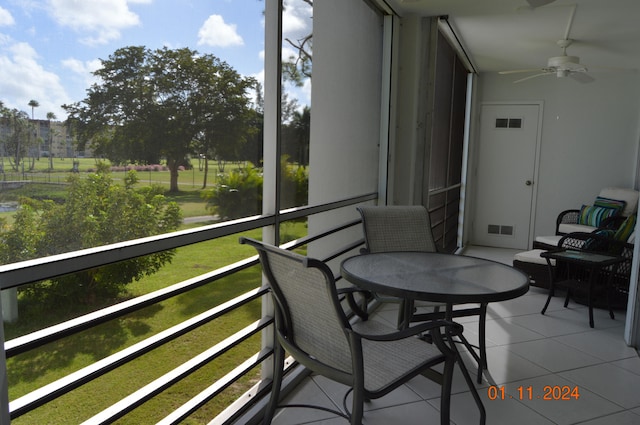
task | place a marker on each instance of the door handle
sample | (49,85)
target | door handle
(528,182)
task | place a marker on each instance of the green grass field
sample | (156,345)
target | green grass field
(39,367)
(50,183)
(187,180)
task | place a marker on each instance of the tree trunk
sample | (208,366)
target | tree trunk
(206,172)
(173,171)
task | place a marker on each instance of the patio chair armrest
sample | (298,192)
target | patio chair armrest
(452,328)
(567,217)
(349,292)
(592,242)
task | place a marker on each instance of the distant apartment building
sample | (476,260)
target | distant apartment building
(53,139)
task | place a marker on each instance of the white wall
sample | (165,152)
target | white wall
(589,137)
(345,105)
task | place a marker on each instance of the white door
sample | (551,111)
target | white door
(506,175)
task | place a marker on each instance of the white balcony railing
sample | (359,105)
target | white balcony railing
(19,274)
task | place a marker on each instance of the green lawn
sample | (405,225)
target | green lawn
(187,180)
(50,184)
(39,367)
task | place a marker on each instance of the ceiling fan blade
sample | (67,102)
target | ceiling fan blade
(581,77)
(531,76)
(538,3)
(518,71)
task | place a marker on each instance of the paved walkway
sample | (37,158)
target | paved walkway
(200,219)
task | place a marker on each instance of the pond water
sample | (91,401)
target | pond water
(8,206)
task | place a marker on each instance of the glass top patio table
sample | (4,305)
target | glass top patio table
(586,258)
(437,277)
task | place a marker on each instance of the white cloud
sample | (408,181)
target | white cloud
(296,19)
(100,21)
(22,78)
(215,32)
(5,17)
(288,51)
(80,67)
(83,70)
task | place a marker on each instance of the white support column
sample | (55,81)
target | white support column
(272,107)
(5,419)
(9,298)
(272,102)
(632,325)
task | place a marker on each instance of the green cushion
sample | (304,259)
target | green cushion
(593,215)
(626,229)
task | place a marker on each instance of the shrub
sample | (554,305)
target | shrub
(96,212)
(295,185)
(239,193)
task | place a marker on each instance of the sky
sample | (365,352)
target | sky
(49,48)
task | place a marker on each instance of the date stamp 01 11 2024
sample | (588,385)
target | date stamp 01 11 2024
(549,392)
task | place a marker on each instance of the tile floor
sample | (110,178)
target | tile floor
(525,350)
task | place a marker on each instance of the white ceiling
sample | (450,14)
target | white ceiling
(508,34)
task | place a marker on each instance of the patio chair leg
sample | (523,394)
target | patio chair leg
(546,304)
(445,400)
(482,364)
(357,409)
(608,290)
(552,289)
(590,296)
(405,312)
(278,371)
(472,388)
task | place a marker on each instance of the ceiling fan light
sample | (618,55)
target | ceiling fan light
(538,3)
(560,73)
(563,61)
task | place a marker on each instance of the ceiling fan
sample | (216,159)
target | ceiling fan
(560,66)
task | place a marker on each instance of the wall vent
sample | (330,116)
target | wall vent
(499,229)
(508,122)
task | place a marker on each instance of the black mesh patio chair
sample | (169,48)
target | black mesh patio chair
(408,228)
(371,358)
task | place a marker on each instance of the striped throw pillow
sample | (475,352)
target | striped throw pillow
(591,215)
(616,204)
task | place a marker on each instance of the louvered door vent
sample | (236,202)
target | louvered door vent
(498,229)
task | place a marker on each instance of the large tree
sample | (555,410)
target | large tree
(155,104)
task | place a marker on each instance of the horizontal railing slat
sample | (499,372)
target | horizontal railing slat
(35,339)
(16,274)
(216,388)
(134,400)
(60,387)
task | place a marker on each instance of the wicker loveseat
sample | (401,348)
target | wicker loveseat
(582,225)
(586,218)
